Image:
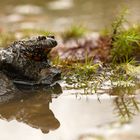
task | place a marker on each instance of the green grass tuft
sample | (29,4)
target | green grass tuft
(74,32)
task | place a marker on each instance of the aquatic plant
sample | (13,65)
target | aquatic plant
(122,75)
(93,78)
(124,42)
(124,45)
(117,25)
(83,76)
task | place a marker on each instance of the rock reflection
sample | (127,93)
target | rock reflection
(32,109)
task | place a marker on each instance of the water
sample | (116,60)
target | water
(57,15)
(51,113)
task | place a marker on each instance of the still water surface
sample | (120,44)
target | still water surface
(54,114)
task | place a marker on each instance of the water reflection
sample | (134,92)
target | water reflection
(126,104)
(68,115)
(126,107)
(32,108)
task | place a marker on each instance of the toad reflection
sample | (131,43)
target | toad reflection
(32,109)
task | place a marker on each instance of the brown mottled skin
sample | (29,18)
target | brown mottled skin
(26,60)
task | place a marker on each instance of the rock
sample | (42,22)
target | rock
(91,46)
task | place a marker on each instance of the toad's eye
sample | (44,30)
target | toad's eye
(51,36)
(41,38)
